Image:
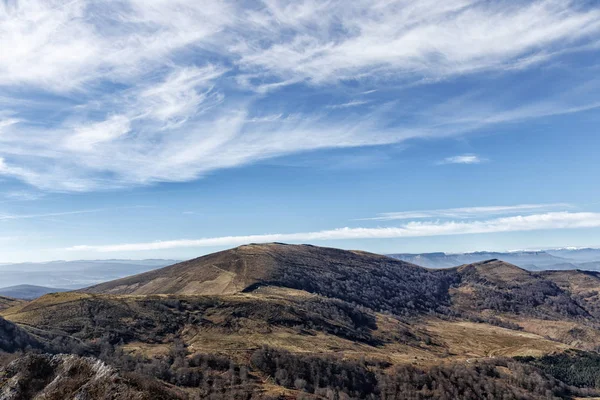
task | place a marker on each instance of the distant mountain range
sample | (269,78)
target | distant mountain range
(74,274)
(554,259)
(28,292)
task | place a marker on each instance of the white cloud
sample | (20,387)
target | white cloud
(166,90)
(329,41)
(65,45)
(177,98)
(183,132)
(553,220)
(463,159)
(22,195)
(4,123)
(349,104)
(469,212)
(137,148)
(4,217)
(88,136)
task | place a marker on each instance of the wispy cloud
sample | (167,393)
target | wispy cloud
(349,104)
(22,195)
(470,212)
(138,106)
(331,41)
(555,220)
(6,217)
(66,44)
(462,159)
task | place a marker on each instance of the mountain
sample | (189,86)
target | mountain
(492,291)
(532,260)
(507,289)
(577,254)
(364,278)
(74,274)
(276,321)
(27,292)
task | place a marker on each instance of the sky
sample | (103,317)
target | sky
(174,128)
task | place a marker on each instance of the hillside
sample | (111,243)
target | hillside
(13,338)
(6,302)
(492,291)
(193,341)
(27,292)
(296,321)
(505,288)
(238,269)
(71,377)
(372,280)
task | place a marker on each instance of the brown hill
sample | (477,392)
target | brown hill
(372,280)
(497,272)
(575,281)
(503,288)
(561,305)
(486,288)
(238,269)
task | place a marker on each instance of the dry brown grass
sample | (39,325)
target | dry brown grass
(574,281)
(573,333)
(434,340)
(8,302)
(474,340)
(148,350)
(41,303)
(500,272)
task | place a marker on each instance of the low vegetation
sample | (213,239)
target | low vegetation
(300,322)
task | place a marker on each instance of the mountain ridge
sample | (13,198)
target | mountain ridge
(371,280)
(535,260)
(308,322)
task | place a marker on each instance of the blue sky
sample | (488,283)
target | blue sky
(170,129)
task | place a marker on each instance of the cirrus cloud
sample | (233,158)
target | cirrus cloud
(553,220)
(469,212)
(110,94)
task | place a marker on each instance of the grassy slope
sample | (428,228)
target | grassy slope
(7,302)
(293,320)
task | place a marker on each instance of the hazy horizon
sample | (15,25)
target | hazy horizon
(202,253)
